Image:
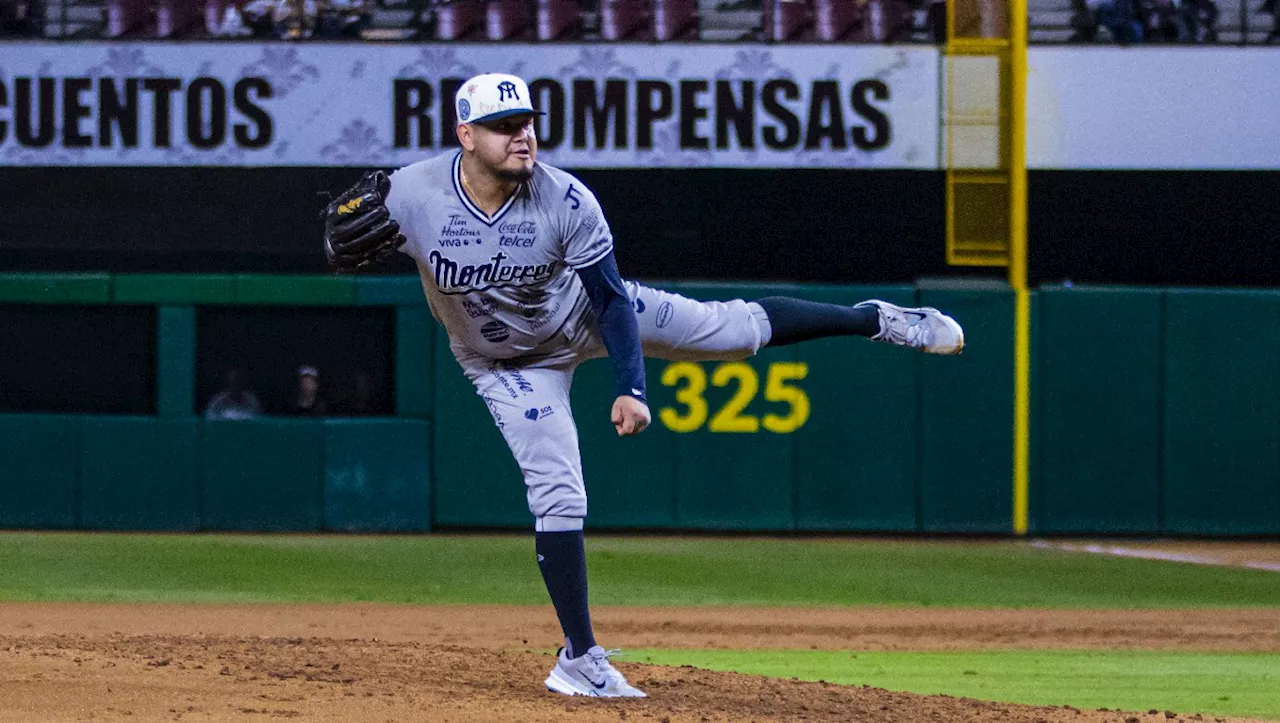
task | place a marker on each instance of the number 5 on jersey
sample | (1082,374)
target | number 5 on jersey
(690,381)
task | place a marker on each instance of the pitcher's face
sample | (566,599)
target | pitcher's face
(506,147)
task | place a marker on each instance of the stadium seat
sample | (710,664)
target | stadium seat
(981,19)
(508,19)
(838,20)
(675,19)
(213,12)
(787,20)
(936,21)
(459,19)
(626,19)
(559,19)
(178,18)
(885,21)
(129,19)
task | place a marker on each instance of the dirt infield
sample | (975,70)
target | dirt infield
(87,662)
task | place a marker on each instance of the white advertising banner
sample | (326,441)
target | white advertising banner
(638,106)
(1153,108)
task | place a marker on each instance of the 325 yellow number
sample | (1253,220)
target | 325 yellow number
(690,381)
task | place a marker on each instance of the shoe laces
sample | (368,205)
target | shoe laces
(599,662)
(906,332)
(918,333)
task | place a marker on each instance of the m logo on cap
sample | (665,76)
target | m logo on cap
(489,97)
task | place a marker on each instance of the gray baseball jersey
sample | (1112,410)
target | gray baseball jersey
(503,284)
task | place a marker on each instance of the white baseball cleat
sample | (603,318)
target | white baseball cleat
(924,328)
(590,675)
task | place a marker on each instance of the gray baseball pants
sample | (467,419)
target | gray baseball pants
(528,396)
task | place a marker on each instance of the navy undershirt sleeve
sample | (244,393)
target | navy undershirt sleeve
(618,327)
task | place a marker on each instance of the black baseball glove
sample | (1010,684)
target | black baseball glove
(358,229)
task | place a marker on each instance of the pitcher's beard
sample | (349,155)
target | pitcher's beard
(519,175)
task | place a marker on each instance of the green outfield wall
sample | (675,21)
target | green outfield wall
(1154,411)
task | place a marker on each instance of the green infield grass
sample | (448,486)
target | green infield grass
(626,570)
(1239,684)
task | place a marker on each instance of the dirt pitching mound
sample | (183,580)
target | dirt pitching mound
(218,678)
(375,663)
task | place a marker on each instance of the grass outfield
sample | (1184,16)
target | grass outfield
(625,571)
(1242,684)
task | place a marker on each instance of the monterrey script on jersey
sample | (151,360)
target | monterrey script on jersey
(502,284)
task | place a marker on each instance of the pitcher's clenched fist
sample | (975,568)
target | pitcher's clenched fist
(630,416)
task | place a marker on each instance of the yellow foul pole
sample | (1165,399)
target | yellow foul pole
(1018,263)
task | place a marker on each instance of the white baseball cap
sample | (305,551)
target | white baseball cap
(492,96)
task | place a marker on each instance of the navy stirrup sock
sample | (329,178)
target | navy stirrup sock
(562,558)
(795,320)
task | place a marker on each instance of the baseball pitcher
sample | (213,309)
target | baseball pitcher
(517,264)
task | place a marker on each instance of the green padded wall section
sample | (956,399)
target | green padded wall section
(855,459)
(631,482)
(295,290)
(415,378)
(389,291)
(965,439)
(176,361)
(262,475)
(139,473)
(1097,410)
(377,475)
(39,460)
(55,288)
(1222,412)
(734,480)
(174,289)
(727,478)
